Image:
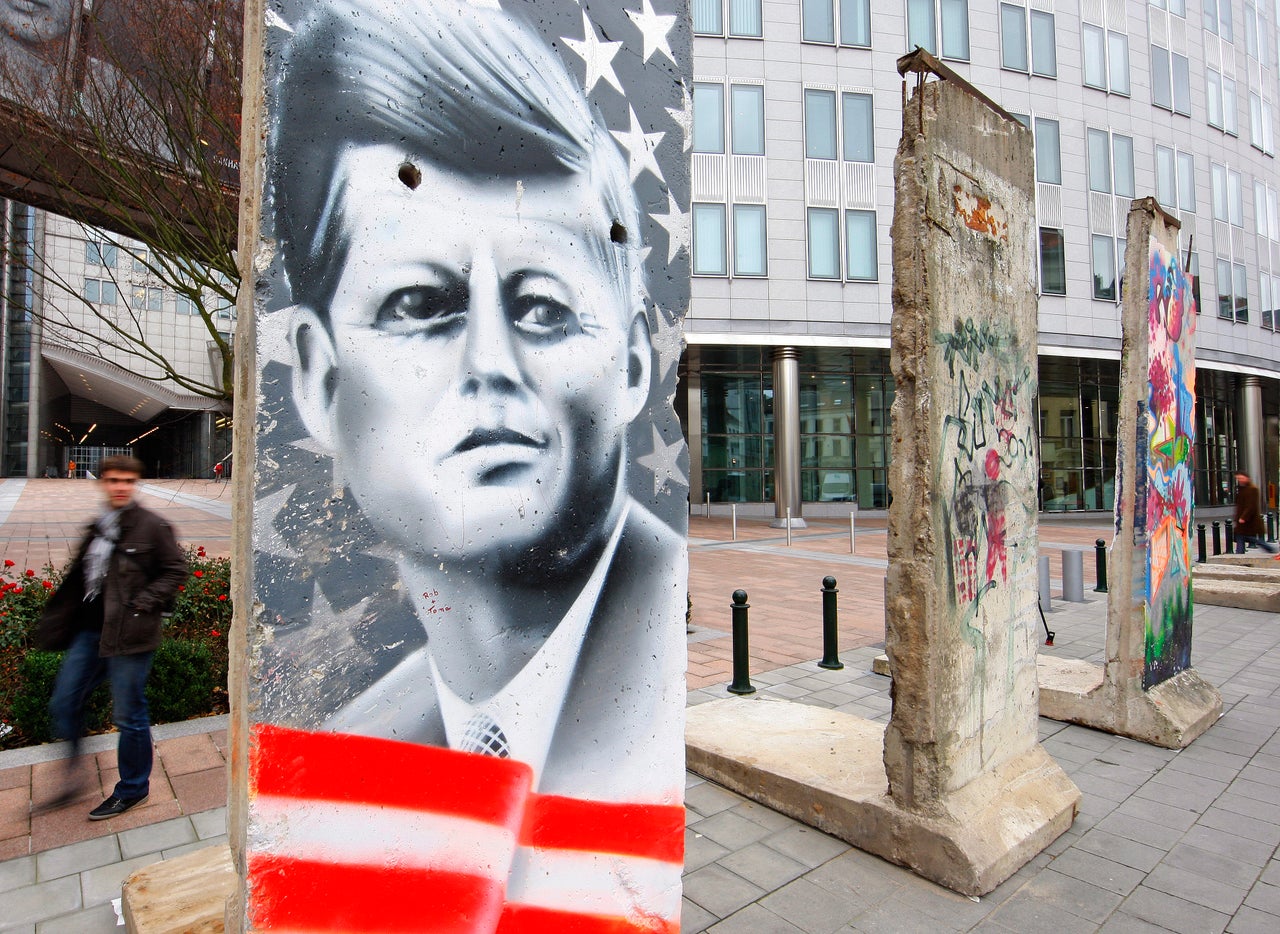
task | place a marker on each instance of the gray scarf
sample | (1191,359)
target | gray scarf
(106,534)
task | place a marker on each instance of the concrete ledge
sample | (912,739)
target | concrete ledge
(1243,595)
(1253,573)
(184,895)
(1172,714)
(826,768)
(1255,560)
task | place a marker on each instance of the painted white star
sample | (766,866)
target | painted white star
(683,116)
(664,461)
(640,147)
(655,28)
(676,223)
(596,55)
(265,537)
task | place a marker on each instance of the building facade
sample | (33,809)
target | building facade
(88,330)
(796,119)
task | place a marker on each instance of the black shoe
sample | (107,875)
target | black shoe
(114,806)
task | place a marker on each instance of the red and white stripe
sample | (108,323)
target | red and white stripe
(351,833)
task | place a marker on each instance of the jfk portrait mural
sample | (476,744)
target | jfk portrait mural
(467,675)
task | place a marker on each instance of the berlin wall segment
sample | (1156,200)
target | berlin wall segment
(962,793)
(1148,689)
(461,703)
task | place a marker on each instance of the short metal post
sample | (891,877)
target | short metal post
(1230,537)
(1217,538)
(830,653)
(741,657)
(734,508)
(788,526)
(1271,526)
(1201,556)
(1073,576)
(1100,560)
(1046,596)
(706,512)
(853,530)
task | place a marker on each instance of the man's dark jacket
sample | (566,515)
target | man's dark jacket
(144,572)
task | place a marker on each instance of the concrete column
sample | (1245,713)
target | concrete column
(1249,430)
(786,438)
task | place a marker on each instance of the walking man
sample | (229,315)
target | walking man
(1249,526)
(107,615)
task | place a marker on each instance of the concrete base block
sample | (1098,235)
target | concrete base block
(1243,595)
(826,768)
(184,895)
(880,665)
(1256,573)
(1172,714)
(1252,560)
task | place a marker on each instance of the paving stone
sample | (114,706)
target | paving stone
(1140,831)
(17,872)
(719,891)
(1121,923)
(210,823)
(754,919)
(763,866)
(1265,897)
(1251,921)
(823,911)
(898,916)
(730,830)
(100,919)
(709,798)
(1241,825)
(1024,913)
(103,884)
(700,850)
(1172,913)
(693,918)
(860,876)
(156,837)
(1120,849)
(1195,888)
(1083,899)
(30,903)
(806,845)
(1234,872)
(66,860)
(1097,870)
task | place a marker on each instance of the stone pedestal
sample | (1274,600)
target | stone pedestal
(963,793)
(1147,688)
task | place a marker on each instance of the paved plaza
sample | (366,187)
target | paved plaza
(1165,841)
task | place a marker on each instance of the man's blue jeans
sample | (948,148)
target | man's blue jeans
(1256,540)
(83,670)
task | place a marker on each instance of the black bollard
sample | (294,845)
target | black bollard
(741,657)
(1201,557)
(1271,526)
(1217,538)
(1230,537)
(830,655)
(1100,558)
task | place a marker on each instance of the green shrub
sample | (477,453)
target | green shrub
(30,709)
(182,681)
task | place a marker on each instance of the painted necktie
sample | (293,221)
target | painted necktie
(485,737)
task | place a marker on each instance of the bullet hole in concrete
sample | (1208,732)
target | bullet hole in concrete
(618,233)
(411,175)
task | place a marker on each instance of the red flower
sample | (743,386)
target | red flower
(30,573)
(17,590)
(8,563)
(214,633)
(182,587)
(48,585)
(198,573)
(222,597)
(200,552)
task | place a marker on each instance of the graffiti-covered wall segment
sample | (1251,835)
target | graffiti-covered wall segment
(467,684)
(962,536)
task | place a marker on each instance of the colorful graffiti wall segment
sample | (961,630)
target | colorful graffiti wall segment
(467,674)
(988,459)
(1167,439)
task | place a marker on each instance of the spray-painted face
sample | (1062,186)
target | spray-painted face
(481,365)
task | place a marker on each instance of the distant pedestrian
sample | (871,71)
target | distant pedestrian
(1249,526)
(71,470)
(107,616)
(217,471)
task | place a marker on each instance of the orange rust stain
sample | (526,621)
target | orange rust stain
(976,212)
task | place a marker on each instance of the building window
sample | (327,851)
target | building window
(100,291)
(1264,295)
(1217,18)
(748,119)
(1220,93)
(709,247)
(1261,128)
(1031,49)
(819,124)
(1170,80)
(100,253)
(824,243)
(1048,152)
(708,117)
(183,305)
(750,240)
(743,17)
(824,19)
(1240,284)
(1110,163)
(1226,308)
(146,299)
(1053,262)
(860,245)
(1104,268)
(1106,59)
(924,17)
(859,127)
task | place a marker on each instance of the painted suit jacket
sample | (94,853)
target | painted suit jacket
(373,825)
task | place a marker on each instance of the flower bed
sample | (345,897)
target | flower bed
(188,677)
